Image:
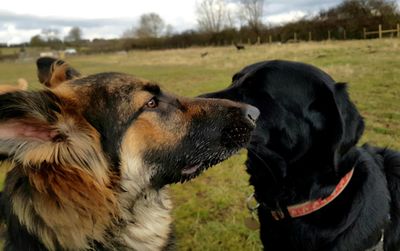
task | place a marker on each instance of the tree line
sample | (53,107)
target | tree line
(219,24)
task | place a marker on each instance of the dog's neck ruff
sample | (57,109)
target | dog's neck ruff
(309,207)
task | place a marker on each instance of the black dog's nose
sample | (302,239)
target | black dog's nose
(252,113)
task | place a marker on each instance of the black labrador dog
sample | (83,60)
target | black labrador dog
(316,189)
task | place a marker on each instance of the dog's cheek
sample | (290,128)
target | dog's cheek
(147,149)
(149,133)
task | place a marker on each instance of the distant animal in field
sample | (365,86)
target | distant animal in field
(204,54)
(22,85)
(316,188)
(239,46)
(91,158)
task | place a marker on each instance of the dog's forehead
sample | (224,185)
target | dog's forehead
(108,91)
(113,85)
(112,81)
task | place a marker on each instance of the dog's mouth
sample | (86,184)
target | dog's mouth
(233,138)
(194,169)
(191,169)
(199,152)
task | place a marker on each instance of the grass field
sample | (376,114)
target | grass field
(210,210)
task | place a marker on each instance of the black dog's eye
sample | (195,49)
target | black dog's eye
(152,103)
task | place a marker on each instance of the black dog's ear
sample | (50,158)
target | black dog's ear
(237,76)
(328,125)
(353,123)
(343,125)
(52,72)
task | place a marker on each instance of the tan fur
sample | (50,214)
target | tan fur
(151,134)
(22,85)
(58,74)
(146,210)
(70,217)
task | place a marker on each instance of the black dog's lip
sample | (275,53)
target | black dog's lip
(191,169)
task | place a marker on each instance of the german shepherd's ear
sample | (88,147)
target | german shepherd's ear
(42,127)
(52,72)
(27,120)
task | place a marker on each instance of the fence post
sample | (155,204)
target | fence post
(295,37)
(270,39)
(398,30)
(344,35)
(309,36)
(248,41)
(329,35)
(365,33)
(258,40)
(380,31)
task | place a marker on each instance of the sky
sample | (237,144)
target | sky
(22,19)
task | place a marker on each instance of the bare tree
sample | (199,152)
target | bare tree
(37,41)
(169,30)
(150,25)
(74,35)
(129,33)
(50,34)
(211,15)
(230,19)
(252,13)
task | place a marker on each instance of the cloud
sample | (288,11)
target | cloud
(11,35)
(281,11)
(105,19)
(18,28)
(21,19)
(285,17)
(274,7)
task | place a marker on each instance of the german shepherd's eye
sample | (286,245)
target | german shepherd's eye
(152,103)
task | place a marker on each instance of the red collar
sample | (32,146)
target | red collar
(309,207)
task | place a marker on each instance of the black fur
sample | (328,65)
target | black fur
(304,143)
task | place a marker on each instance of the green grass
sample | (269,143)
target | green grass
(210,210)
(8,51)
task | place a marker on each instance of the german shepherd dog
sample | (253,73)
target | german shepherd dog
(316,189)
(92,156)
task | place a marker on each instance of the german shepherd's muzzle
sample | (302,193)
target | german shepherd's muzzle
(91,156)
